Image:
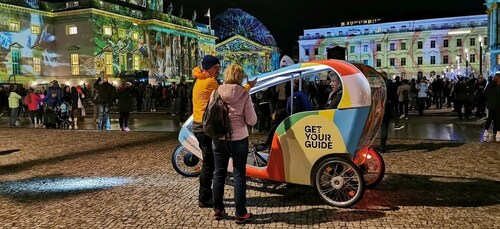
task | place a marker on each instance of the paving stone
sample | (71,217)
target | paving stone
(91,179)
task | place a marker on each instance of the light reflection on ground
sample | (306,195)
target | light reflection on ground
(44,185)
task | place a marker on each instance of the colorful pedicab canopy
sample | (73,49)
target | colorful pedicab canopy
(356,89)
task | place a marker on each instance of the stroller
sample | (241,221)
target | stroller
(64,115)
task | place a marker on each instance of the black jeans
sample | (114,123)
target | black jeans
(403,108)
(123,119)
(492,114)
(238,150)
(208,167)
(421,105)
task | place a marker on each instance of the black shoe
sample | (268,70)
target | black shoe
(206,204)
(219,215)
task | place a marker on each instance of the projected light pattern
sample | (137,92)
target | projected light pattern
(60,185)
(111,44)
(237,22)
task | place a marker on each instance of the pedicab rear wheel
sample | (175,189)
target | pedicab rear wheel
(373,168)
(185,162)
(339,182)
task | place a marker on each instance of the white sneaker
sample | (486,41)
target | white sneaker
(486,133)
(399,127)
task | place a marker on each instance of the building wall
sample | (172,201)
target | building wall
(361,43)
(164,49)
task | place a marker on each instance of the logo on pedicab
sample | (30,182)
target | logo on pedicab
(317,140)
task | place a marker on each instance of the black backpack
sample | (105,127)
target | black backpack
(216,123)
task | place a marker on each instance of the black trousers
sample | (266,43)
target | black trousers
(123,119)
(208,167)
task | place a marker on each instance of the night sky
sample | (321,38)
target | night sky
(286,19)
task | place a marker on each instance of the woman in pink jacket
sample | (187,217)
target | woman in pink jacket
(33,101)
(241,114)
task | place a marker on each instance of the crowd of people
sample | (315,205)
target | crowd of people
(54,105)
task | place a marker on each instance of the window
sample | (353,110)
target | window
(75,64)
(472,41)
(122,61)
(351,48)
(459,42)
(340,33)
(379,47)
(107,30)
(137,60)
(498,59)
(135,36)
(307,52)
(71,30)
(433,59)
(122,33)
(379,62)
(72,4)
(420,45)
(16,62)
(35,29)
(433,44)
(37,66)
(365,62)
(472,58)
(420,60)
(403,45)
(403,61)
(485,41)
(367,31)
(392,47)
(392,61)
(316,51)
(445,59)
(445,43)
(108,61)
(14,26)
(365,48)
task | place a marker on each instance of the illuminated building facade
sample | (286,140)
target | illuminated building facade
(245,41)
(452,46)
(82,39)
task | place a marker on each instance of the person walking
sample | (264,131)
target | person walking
(492,94)
(241,114)
(124,93)
(32,100)
(105,97)
(423,89)
(14,99)
(390,112)
(182,98)
(403,92)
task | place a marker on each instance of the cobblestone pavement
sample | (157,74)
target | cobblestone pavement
(90,179)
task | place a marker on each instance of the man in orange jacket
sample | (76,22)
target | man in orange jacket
(205,84)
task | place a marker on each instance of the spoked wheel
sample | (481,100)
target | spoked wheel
(185,162)
(373,168)
(339,182)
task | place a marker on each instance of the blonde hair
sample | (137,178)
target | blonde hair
(234,74)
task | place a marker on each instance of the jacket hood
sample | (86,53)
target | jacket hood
(231,93)
(200,74)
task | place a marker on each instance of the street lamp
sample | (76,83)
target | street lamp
(480,55)
(466,63)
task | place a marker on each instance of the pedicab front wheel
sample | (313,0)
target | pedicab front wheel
(186,163)
(339,182)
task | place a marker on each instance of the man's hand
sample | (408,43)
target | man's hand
(252,83)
